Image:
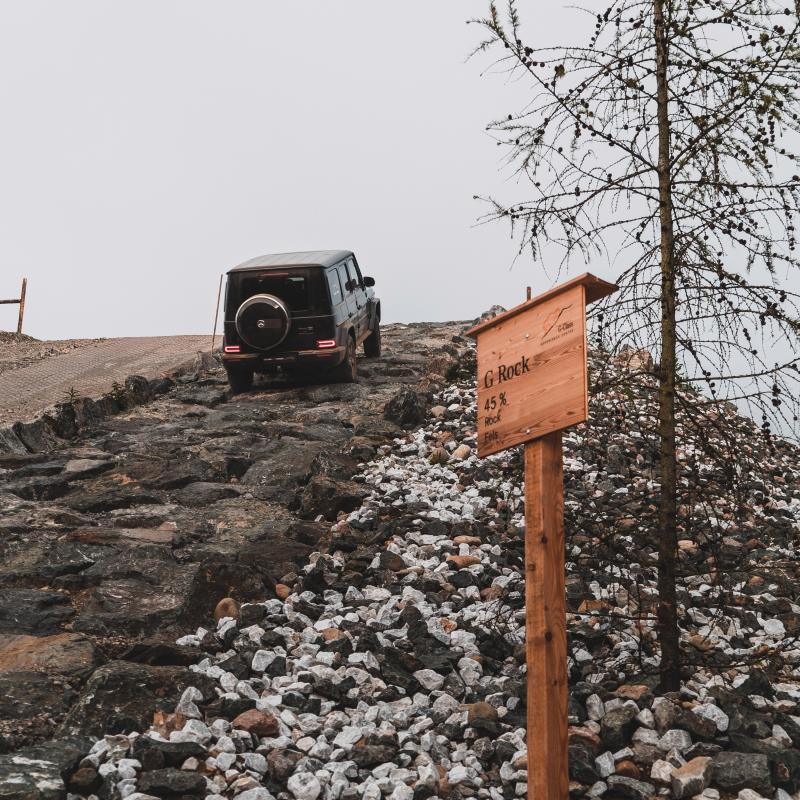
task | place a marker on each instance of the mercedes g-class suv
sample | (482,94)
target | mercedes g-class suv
(299,312)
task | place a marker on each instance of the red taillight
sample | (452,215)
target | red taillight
(232,348)
(325,344)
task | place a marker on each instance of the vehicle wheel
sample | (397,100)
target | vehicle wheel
(240,379)
(347,371)
(372,344)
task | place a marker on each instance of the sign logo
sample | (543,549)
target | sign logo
(552,324)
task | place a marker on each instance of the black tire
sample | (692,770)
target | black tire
(347,371)
(372,344)
(240,379)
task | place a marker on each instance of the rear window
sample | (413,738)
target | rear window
(292,289)
(302,289)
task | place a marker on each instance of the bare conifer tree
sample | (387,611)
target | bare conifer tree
(665,143)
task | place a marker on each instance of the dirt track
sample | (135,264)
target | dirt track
(91,370)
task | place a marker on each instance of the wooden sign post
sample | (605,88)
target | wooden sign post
(533,383)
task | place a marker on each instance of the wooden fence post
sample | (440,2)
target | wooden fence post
(22,305)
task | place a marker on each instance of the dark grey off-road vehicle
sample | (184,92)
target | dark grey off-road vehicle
(300,312)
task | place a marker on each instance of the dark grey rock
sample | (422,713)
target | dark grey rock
(581,763)
(617,726)
(282,763)
(328,496)
(209,396)
(109,498)
(623,786)
(733,772)
(204,494)
(31,611)
(36,773)
(171,782)
(407,408)
(173,754)
(37,436)
(284,465)
(10,442)
(219,577)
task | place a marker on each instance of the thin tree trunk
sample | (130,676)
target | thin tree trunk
(668,542)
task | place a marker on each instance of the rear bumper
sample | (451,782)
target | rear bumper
(313,359)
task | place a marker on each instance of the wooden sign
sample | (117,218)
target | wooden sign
(532,366)
(532,383)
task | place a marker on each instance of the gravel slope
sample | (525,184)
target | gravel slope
(391,664)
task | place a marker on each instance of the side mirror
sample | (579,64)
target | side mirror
(349,286)
(369,281)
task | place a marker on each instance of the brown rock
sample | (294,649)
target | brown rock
(692,777)
(227,607)
(282,591)
(165,722)
(481,712)
(587,736)
(332,634)
(261,723)
(467,540)
(63,654)
(438,411)
(587,606)
(84,781)
(491,593)
(411,571)
(701,643)
(632,692)
(629,770)
(444,784)
(462,451)
(459,562)
(439,456)
(392,561)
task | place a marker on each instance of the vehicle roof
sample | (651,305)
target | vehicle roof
(307,258)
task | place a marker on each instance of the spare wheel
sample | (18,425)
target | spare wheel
(263,321)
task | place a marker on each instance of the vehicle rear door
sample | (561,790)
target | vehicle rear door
(360,295)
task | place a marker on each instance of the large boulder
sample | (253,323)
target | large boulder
(220,577)
(10,442)
(31,705)
(285,464)
(407,409)
(328,496)
(37,436)
(121,697)
(31,611)
(36,773)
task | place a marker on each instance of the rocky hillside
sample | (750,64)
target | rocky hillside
(315,592)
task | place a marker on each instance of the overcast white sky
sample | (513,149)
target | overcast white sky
(149,145)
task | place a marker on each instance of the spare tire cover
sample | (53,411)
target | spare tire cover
(263,321)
